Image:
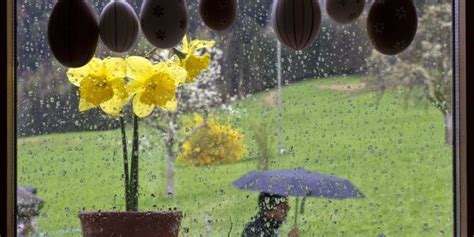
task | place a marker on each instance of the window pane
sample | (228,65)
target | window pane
(381,123)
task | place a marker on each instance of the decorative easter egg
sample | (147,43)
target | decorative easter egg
(164,22)
(73,32)
(218,14)
(296,23)
(392,25)
(118,26)
(344,11)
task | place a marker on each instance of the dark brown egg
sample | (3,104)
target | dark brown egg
(164,22)
(73,32)
(296,23)
(218,14)
(118,26)
(391,25)
(344,11)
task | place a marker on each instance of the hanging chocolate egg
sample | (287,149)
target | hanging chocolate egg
(296,23)
(344,11)
(218,14)
(164,22)
(118,26)
(391,25)
(73,32)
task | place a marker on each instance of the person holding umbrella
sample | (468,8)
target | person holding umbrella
(276,185)
(273,210)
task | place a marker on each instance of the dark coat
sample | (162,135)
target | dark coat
(260,227)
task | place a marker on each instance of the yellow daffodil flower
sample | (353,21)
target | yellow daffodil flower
(101,84)
(193,63)
(153,85)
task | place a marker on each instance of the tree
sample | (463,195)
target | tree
(425,68)
(197,97)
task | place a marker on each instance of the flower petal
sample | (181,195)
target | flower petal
(185,43)
(96,67)
(76,75)
(171,106)
(200,44)
(178,73)
(119,88)
(115,68)
(140,109)
(113,106)
(138,67)
(84,105)
(92,68)
(135,86)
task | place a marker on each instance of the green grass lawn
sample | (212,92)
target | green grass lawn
(392,151)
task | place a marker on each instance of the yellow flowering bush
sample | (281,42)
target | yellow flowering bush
(212,142)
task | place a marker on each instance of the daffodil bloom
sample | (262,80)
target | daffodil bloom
(101,84)
(193,63)
(154,85)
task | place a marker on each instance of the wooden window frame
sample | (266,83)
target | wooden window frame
(464,193)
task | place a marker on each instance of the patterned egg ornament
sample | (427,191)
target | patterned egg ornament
(344,11)
(392,25)
(164,22)
(218,14)
(296,23)
(73,32)
(118,26)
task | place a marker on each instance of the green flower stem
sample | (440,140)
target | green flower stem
(180,54)
(125,165)
(134,167)
(151,52)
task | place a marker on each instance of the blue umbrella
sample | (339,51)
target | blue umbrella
(298,182)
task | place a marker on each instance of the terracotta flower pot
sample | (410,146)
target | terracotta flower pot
(129,224)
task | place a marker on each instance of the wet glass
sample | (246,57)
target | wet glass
(338,108)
